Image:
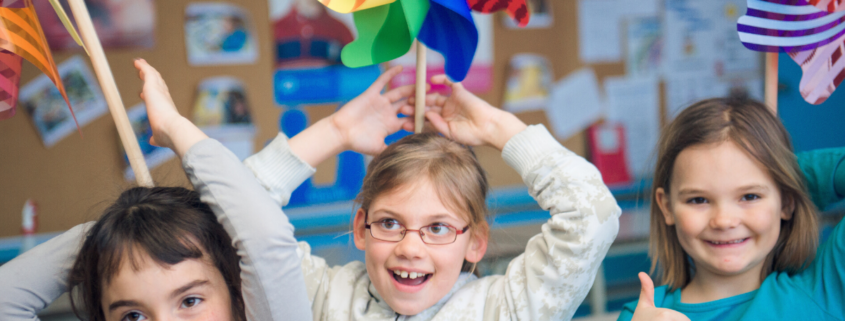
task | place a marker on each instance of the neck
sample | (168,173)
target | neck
(707,286)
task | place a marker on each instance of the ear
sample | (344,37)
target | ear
(662,200)
(477,246)
(788,208)
(359,229)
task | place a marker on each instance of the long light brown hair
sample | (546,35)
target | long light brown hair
(752,127)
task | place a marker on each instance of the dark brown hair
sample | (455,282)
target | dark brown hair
(453,169)
(169,224)
(757,131)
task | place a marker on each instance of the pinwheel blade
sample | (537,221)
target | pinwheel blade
(517,9)
(450,30)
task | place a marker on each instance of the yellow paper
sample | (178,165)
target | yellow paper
(347,6)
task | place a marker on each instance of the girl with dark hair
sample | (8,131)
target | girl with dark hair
(222,252)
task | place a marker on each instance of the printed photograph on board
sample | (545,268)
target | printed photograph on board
(119,23)
(219,34)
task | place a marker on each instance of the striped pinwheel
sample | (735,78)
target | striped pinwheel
(22,38)
(812,32)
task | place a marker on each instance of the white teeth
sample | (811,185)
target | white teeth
(397,272)
(413,275)
(404,274)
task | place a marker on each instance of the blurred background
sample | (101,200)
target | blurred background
(603,75)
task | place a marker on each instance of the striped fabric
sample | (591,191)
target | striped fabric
(10,76)
(829,5)
(21,34)
(788,25)
(516,8)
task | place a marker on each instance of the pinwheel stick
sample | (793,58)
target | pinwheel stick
(419,107)
(771,83)
(104,75)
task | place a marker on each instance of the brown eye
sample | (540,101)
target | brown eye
(190,302)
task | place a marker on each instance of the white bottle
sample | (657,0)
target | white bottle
(29,225)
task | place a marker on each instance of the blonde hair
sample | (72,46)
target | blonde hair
(750,125)
(454,170)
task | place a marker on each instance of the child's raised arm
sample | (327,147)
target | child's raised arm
(361,125)
(271,278)
(551,279)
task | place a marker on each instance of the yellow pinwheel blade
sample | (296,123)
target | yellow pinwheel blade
(347,6)
(66,21)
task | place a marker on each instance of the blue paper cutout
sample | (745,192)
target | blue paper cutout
(336,83)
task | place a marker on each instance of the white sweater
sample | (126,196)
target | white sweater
(547,282)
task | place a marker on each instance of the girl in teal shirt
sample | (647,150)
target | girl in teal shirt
(734,232)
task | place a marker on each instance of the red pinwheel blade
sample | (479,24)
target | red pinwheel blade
(10,77)
(517,9)
(828,5)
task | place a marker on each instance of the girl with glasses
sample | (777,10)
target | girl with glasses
(422,217)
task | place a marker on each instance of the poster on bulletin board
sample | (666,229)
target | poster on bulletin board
(307,40)
(119,23)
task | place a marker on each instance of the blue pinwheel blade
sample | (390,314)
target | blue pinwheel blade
(449,29)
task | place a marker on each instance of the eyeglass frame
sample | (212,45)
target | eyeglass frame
(419,231)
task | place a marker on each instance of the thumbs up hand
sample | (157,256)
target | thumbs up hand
(646,310)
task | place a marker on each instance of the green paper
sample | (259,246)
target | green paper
(384,32)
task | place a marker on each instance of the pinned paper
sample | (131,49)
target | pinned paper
(46,105)
(222,111)
(118,23)
(218,34)
(574,104)
(529,83)
(813,37)
(635,103)
(153,155)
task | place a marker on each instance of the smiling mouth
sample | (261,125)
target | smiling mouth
(410,278)
(737,241)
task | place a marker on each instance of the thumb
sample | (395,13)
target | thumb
(647,292)
(439,123)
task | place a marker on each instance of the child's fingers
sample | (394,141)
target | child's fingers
(441,80)
(385,78)
(647,291)
(439,124)
(399,93)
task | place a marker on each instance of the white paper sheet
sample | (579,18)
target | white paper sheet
(574,104)
(644,49)
(635,103)
(599,26)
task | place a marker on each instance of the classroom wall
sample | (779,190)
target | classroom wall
(75,179)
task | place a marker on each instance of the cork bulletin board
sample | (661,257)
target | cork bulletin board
(74,180)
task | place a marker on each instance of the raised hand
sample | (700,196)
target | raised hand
(367,120)
(468,119)
(646,310)
(361,125)
(170,129)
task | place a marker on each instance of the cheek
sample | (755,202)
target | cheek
(689,224)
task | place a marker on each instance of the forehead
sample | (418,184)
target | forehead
(416,200)
(721,165)
(147,280)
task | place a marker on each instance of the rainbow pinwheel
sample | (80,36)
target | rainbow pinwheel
(812,32)
(387,29)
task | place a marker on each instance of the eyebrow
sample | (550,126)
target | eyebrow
(123,303)
(435,217)
(186,287)
(686,191)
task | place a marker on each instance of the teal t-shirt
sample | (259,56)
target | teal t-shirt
(817,293)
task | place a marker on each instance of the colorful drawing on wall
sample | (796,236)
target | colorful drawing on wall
(645,46)
(222,111)
(119,23)
(816,46)
(529,83)
(541,15)
(307,43)
(479,79)
(219,34)
(153,155)
(48,110)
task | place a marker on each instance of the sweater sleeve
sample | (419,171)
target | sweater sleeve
(33,280)
(551,279)
(278,169)
(271,277)
(820,169)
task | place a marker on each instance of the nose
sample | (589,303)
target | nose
(411,247)
(725,217)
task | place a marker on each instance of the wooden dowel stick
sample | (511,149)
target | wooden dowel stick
(419,107)
(771,83)
(116,108)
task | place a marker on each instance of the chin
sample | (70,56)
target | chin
(406,308)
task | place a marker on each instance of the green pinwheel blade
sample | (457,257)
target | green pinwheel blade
(384,32)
